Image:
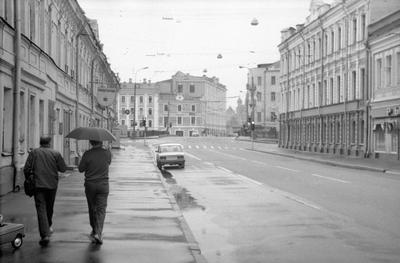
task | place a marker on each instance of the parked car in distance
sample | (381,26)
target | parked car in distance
(195,134)
(170,154)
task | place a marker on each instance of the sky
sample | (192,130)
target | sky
(187,35)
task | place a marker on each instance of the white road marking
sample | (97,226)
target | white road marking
(285,168)
(298,200)
(190,146)
(204,146)
(208,163)
(197,147)
(212,147)
(331,178)
(191,155)
(240,176)
(233,156)
(258,162)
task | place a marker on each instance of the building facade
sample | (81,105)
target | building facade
(324,83)
(51,73)
(147,106)
(263,97)
(190,104)
(384,44)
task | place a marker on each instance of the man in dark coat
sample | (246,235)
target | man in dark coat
(46,164)
(95,163)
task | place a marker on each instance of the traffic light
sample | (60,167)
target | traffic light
(252,126)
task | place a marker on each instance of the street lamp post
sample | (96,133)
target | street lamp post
(134,101)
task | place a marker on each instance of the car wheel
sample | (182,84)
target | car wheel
(17,242)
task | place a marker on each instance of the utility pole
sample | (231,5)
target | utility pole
(17,90)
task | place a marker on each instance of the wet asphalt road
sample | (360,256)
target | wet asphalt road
(142,224)
(246,206)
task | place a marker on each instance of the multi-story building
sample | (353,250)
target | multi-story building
(192,104)
(146,106)
(384,43)
(52,69)
(324,78)
(263,96)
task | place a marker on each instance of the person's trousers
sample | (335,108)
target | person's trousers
(96,196)
(44,202)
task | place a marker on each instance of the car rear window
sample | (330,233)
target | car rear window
(171,148)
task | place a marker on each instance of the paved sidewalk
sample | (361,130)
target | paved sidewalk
(378,165)
(143,222)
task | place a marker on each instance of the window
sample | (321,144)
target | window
(354,84)
(180,88)
(332,41)
(326,44)
(7,120)
(338,132)
(141,112)
(325,93)
(379,137)
(123,110)
(331,91)
(191,88)
(150,99)
(339,38)
(259,81)
(150,123)
(273,116)
(179,120)
(394,140)
(165,122)
(41,117)
(258,96)
(273,96)
(150,111)
(308,96)
(141,99)
(258,116)
(363,26)
(353,132)
(132,111)
(338,85)
(165,107)
(123,99)
(273,80)
(179,107)
(388,77)
(193,107)
(362,83)
(132,98)
(123,122)
(132,123)
(378,73)
(354,30)
(362,131)
(398,68)
(193,120)
(32,17)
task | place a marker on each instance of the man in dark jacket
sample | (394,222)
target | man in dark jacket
(95,163)
(46,164)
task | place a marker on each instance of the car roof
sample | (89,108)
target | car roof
(170,144)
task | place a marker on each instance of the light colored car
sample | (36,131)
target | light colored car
(170,154)
(195,134)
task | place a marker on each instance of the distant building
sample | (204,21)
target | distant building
(384,41)
(324,78)
(192,103)
(263,96)
(147,106)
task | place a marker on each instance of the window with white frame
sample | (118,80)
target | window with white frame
(273,96)
(193,107)
(273,80)
(354,35)
(259,81)
(258,96)
(339,39)
(398,67)
(123,99)
(331,91)
(388,69)
(150,111)
(150,123)
(338,87)
(179,121)
(332,41)
(132,99)
(191,88)
(165,107)
(193,120)
(179,107)
(354,84)
(150,99)
(378,73)
(180,88)
(141,99)
(363,26)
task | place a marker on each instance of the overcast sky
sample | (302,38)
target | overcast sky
(188,35)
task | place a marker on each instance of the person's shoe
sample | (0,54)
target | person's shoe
(44,241)
(91,237)
(98,239)
(51,230)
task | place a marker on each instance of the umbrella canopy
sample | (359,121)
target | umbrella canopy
(91,133)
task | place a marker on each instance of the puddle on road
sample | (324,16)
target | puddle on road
(182,196)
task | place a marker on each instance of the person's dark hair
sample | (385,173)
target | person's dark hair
(94,143)
(45,141)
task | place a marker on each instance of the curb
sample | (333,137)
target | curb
(187,232)
(351,166)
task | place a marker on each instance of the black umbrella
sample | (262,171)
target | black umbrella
(91,133)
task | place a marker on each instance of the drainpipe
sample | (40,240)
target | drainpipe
(17,90)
